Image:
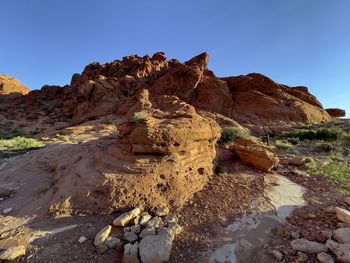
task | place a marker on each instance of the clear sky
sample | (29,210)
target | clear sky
(294,42)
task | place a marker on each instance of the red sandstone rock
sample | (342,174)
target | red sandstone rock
(336,113)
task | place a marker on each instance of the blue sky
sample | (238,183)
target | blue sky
(295,42)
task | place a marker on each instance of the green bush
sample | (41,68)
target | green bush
(9,147)
(326,134)
(337,172)
(232,134)
(324,147)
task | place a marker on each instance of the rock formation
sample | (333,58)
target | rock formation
(163,155)
(256,154)
(336,113)
(9,85)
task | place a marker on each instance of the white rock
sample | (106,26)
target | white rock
(82,239)
(277,254)
(307,246)
(342,251)
(13,253)
(111,242)
(171,219)
(343,215)
(145,218)
(7,210)
(155,222)
(148,231)
(155,249)
(162,211)
(131,249)
(125,218)
(325,258)
(130,236)
(136,229)
(173,230)
(102,235)
(342,235)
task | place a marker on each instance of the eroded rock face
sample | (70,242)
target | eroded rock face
(256,154)
(255,95)
(161,159)
(336,113)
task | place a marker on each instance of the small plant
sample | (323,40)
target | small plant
(338,172)
(232,134)
(140,116)
(326,134)
(66,138)
(17,145)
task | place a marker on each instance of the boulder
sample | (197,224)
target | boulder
(336,113)
(156,249)
(127,217)
(256,154)
(343,215)
(102,235)
(257,97)
(307,246)
(159,160)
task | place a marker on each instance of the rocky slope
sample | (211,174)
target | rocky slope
(9,85)
(103,89)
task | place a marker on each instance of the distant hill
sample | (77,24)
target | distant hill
(10,85)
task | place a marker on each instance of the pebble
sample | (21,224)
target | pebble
(127,217)
(329,209)
(277,254)
(302,257)
(343,215)
(295,235)
(325,258)
(7,210)
(82,239)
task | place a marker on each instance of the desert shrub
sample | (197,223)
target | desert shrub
(326,134)
(284,145)
(337,172)
(293,141)
(17,145)
(140,116)
(232,134)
